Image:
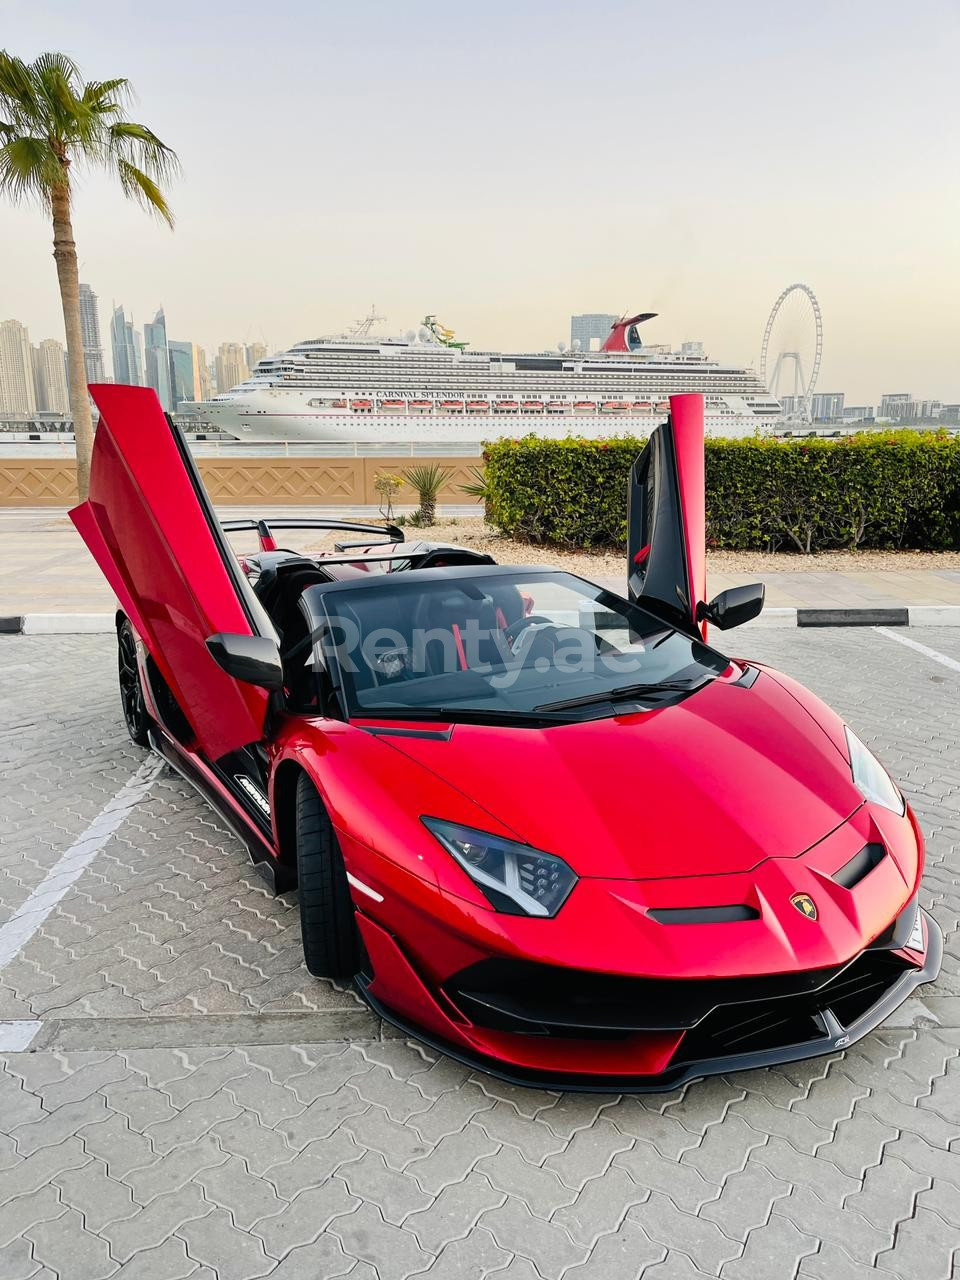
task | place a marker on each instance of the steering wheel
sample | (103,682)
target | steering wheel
(515,630)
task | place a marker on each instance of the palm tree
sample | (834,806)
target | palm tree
(50,123)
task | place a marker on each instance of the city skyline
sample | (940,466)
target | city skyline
(508,167)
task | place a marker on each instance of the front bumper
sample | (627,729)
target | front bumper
(645,1035)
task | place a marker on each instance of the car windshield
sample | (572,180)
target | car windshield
(526,647)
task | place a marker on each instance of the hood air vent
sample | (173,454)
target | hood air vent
(860,865)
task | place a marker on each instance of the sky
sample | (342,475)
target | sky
(507,163)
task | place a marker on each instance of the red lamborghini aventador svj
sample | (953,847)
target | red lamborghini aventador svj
(545,828)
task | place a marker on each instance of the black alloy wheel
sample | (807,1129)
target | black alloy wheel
(131,690)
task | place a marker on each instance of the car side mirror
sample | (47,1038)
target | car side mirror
(733,607)
(253,659)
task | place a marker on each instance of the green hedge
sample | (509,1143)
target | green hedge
(890,489)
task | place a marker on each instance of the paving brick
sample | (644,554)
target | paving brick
(393,1251)
(98,1197)
(503,1123)
(925,1246)
(450,1160)
(67,1248)
(546,1244)
(453,1213)
(588,1153)
(259,1147)
(774,1249)
(322,1260)
(600,1206)
(247,1197)
(39,1168)
(889,1192)
(17,1261)
(849,1229)
(540,1188)
(314,1165)
(303,1220)
(26,1211)
(624,1254)
(226,1250)
(395,1194)
(685,1186)
(196,1119)
(175,1169)
(724,1149)
(697,1237)
(830,1262)
(477,1255)
(161,1218)
(67,1120)
(168,1261)
(326,1114)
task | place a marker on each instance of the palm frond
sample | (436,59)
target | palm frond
(30,169)
(141,187)
(18,91)
(140,146)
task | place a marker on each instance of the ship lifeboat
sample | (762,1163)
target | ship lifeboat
(531,406)
(339,404)
(477,406)
(557,406)
(421,406)
(361,405)
(586,406)
(642,406)
(663,406)
(614,406)
(451,406)
(393,406)
(506,406)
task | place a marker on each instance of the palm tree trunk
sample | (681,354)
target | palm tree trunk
(65,256)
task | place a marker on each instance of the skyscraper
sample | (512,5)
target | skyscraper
(127,352)
(256,351)
(17,393)
(184,372)
(157,359)
(92,346)
(231,365)
(50,376)
(590,330)
(204,377)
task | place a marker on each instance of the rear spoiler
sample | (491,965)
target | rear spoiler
(264,530)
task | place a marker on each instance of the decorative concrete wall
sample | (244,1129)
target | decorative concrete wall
(339,482)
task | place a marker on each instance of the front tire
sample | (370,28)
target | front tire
(131,689)
(327,924)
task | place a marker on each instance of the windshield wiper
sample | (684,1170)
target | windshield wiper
(627,691)
(465,715)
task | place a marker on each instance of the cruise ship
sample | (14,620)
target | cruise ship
(425,386)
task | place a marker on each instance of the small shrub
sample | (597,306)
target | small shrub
(427,480)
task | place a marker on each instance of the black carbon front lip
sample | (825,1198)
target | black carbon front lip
(836,1037)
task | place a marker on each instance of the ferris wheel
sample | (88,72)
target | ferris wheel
(792,349)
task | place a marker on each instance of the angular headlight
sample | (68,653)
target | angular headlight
(871,778)
(514,877)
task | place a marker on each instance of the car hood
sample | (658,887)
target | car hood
(714,784)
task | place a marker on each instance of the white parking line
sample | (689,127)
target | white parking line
(19,1035)
(24,923)
(927,652)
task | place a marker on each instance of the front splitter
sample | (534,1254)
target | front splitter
(840,1038)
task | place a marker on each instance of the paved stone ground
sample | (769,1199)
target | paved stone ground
(195,1105)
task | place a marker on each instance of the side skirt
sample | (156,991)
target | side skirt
(281,879)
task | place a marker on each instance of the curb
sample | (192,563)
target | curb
(49,624)
(908,615)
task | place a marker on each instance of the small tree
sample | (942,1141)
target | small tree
(387,487)
(51,123)
(427,481)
